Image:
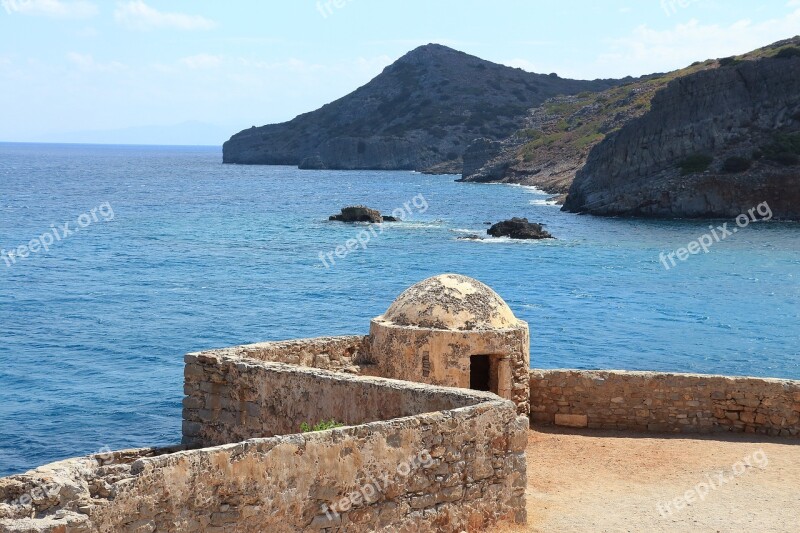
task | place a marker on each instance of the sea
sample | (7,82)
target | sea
(133,255)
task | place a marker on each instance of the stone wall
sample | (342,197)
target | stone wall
(681,403)
(343,353)
(232,399)
(453,461)
(436,357)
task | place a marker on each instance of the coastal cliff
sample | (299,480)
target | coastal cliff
(420,113)
(732,110)
(713,144)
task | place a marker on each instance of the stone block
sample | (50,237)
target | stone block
(571,420)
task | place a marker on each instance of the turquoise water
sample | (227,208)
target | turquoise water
(200,255)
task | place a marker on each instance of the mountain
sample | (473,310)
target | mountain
(632,146)
(714,143)
(420,113)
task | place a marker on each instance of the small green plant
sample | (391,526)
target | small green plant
(320,426)
(736,164)
(695,164)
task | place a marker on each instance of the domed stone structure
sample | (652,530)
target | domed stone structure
(451,302)
(455,331)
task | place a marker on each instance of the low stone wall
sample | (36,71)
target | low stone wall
(343,353)
(649,401)
(232,399)
(453,461)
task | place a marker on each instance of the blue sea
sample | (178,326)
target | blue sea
(175,252)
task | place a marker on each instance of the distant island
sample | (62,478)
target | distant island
(710,140)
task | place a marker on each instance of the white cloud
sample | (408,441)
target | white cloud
(86,62)
(137,15)
(647,50)
(202,61)
(75,9)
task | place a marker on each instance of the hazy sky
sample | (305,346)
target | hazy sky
(69,66)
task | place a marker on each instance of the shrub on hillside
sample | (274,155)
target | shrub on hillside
(789,51)
(729,61)
(784,149)
(785,159)
(736,164)
(695,164)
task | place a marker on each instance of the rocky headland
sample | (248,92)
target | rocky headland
(420,114)
(704,141)
(713,144)
(710,140)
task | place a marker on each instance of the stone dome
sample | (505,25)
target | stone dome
(450,302)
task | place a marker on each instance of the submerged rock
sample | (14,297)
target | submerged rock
(519,228)
(360,213)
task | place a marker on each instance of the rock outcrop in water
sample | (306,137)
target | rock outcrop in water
(420,113)
(714,144)
(519,228)
(360,213)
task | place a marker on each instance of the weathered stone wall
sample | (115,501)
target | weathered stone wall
(441,357)
(459,468)
(328,353)
(436,357)
(648,401)
(232,399)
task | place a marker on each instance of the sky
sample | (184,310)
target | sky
(198,71)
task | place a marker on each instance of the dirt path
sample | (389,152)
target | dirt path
(601,481)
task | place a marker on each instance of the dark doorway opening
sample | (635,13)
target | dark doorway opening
(480,372)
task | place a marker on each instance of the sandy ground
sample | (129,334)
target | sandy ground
(603,481)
